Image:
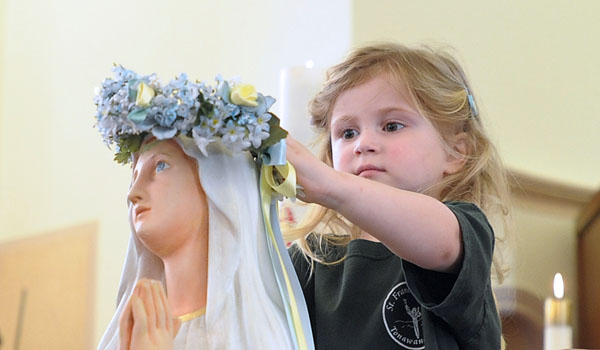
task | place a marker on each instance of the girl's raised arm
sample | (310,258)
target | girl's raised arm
(414,226)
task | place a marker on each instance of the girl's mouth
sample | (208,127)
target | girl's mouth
(367,170)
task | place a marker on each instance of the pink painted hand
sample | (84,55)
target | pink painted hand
(146,322)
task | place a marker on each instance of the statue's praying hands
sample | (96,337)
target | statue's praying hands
(147,322)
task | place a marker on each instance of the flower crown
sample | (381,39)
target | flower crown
(130,107)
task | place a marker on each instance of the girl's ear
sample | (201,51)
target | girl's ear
(457,159)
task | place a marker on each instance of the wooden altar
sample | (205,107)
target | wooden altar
(47,287)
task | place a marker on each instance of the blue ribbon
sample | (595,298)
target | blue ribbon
(285,274)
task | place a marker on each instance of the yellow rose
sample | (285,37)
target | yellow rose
(144,95)
(244,95)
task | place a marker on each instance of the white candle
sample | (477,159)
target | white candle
(558,333)
(297,86)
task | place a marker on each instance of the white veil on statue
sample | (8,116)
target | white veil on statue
(244,309)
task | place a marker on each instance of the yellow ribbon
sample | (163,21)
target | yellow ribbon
(268,186)
(287,187)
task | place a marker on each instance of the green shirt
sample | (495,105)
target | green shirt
(375,300)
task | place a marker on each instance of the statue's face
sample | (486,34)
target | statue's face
(167,205)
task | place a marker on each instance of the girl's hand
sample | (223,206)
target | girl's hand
(416,227)
(313,175)
(146,322)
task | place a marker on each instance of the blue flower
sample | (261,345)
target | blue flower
(181,80)
(181,107)
(245,119)
(183,110)
(124,74)
(166,118)
(223,91)
(163,133)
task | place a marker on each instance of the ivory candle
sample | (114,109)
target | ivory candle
(558,333)
(297,85)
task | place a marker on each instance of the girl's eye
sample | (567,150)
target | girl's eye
(348,134)
(161,165)
(393,126)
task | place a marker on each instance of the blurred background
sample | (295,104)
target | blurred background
(534,67)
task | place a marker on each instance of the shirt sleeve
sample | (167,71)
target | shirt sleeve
(461,300)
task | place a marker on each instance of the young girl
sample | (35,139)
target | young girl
(399,254)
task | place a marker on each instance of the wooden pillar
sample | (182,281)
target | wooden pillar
(588,272)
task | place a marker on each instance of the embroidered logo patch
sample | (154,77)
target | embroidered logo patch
(402,318)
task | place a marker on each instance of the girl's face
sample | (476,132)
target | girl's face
(167,205)
(376,133)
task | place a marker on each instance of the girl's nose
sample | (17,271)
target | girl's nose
(366,143)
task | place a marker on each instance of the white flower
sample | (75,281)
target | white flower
(201,141)
(205,128)
(232,132)
(239,145)
(215,123)
(257,135)
(263,121)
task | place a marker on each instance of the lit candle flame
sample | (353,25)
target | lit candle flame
(309,64)
(559,286)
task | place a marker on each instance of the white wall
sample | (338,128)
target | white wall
(54,169)
(2,44)
(534,68)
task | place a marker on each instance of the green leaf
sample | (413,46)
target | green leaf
(132,92)
(139,115)
(149,145)
(276,133)
(123,157)
(128,146)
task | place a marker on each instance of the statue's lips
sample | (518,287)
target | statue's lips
(140,210)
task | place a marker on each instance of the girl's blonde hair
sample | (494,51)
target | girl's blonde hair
(440,92)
